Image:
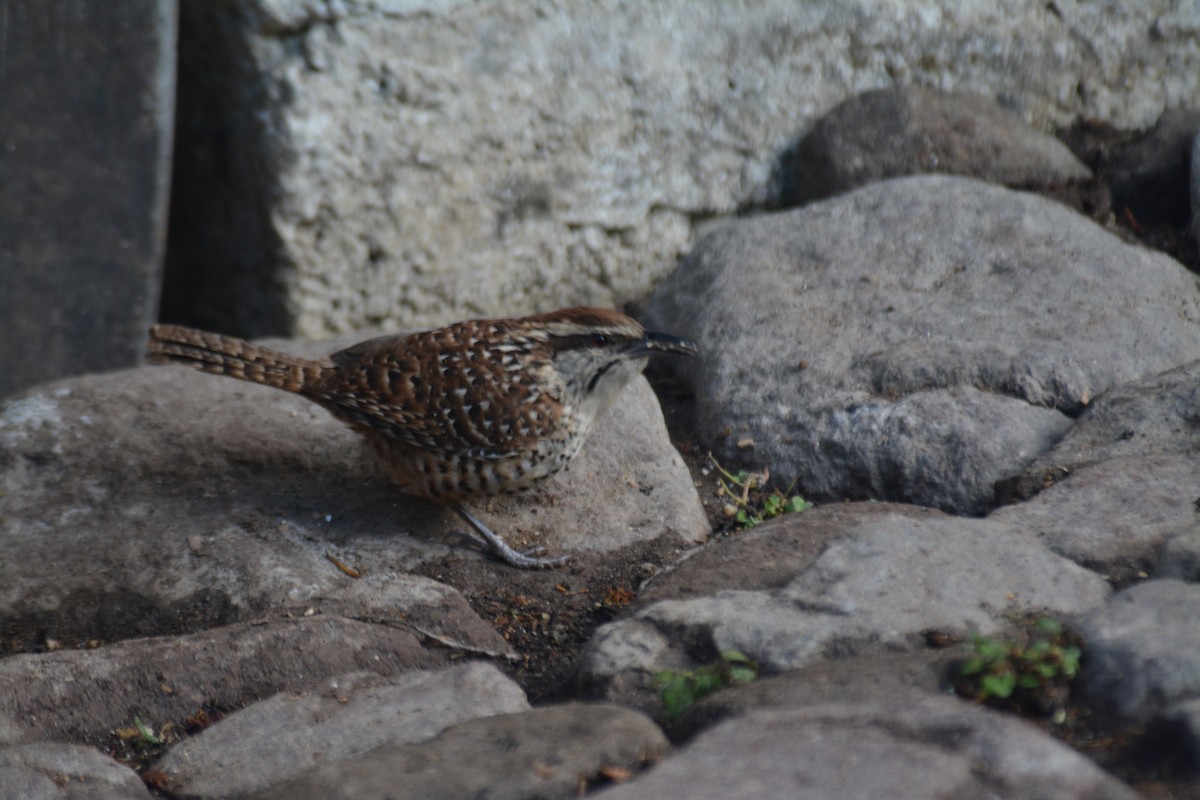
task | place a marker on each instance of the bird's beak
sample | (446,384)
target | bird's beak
(661,343)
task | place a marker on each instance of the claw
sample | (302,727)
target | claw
(500,549)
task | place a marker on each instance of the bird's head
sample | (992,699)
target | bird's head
(597,351)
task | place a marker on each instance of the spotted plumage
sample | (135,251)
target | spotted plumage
(476,408)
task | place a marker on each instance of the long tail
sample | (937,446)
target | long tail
(225,355)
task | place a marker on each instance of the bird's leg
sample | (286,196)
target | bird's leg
(500,549)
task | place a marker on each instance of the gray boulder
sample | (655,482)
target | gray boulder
(1114,516)
(882,581)
(1142,650)
(1155,415)
(49,771)
(272,741)
(917,339)
(915,745)
(913,130)
(546,752)
(164,500)
(1194,186)
(80,695)
(1180,557)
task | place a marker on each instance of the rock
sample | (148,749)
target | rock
(83,694)
(49,771)
(1113,516)
(912,130)
(1180,557)
(862,346)
(275,739)
(1152,416)
(88,93)
(1149,177)
(887,578)
(353,163)
(915,745)
(542,753)
(1195,187)
(1176,734)
(164,500)
(1142,650)
(874,678)
(765,556)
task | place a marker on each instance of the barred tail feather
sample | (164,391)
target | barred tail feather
(225,355)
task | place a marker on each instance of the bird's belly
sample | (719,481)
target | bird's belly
(450,477)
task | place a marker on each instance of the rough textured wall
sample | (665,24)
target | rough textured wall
(351,164)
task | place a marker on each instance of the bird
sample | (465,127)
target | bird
(470,410)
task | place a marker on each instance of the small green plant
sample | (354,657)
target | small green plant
(681,689)
(146,733)
(751,502)
(1025,677)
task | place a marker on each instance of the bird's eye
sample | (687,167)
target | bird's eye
(600,340)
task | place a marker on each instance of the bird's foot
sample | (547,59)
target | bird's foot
(496,547)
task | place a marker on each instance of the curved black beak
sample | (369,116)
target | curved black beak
(661,343)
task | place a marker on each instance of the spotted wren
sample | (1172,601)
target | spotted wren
(477,408)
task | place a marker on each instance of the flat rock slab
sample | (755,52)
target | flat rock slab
(543,753)
(878,585)
(875,678)
(79,695)
(911,130)
(164,500)
(1142,650)
(273,740)
(1114,516)
(47,771)
(917,339)
(765,556)
(916,745)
